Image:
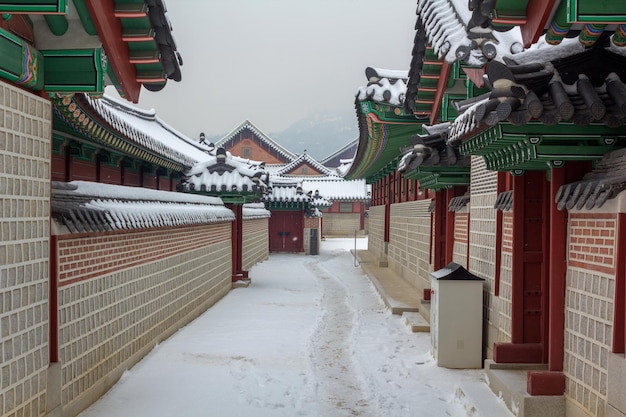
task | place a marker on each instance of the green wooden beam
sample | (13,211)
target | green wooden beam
(33,6)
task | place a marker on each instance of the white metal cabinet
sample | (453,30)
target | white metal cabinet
(456,323)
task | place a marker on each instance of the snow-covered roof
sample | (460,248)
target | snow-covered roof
(348,150)
(94,207)
(147,129)
(247,124)
(304,159)
(223,172)
(337,189)
(287,190)
(384,86)
(455,32)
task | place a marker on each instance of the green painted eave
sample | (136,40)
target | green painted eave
(34,6)
(384,131)
(593,11)
(71,118)
(510,10)
(539,147)
(439,177)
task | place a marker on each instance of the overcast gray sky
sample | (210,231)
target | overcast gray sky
(276,61)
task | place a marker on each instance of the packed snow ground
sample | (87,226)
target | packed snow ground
(309,337)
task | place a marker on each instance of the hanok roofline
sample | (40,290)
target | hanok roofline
(283,153)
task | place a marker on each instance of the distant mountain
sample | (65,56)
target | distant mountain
(320,134)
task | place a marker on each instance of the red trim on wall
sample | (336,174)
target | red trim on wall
(619,311)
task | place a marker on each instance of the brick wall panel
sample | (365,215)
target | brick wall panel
(25,170)
(113,306)
(255,242)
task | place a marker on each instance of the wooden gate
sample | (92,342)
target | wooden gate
(286,231)
(530,272)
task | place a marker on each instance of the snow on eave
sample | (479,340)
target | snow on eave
(230,174)
(383,91)
(248,124)
(146,129)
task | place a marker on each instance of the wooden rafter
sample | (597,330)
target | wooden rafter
(111,33)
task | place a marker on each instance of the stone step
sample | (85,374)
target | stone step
(511,385)
(416,322)
(479,401)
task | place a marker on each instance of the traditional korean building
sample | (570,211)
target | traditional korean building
(515,150)
(301,188)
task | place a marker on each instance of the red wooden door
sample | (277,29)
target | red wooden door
(531,273)
(286,231)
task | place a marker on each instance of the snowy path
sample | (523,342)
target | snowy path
(310,337)
(340,389)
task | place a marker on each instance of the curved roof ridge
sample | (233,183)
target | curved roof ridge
(248,124)
(305,157)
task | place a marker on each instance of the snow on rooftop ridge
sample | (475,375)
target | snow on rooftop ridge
(302,159)
(249,125)
(224,172)
(344,168)
(383,91)
(374,74)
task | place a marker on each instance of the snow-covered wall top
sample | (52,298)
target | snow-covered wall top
(255,211)
(92,207)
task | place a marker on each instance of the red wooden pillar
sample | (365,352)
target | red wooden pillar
(449,226)
(558,270)
(237,243)
(439,220)
(517,287)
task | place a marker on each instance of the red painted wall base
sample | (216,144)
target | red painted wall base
(240,275)
(517,353)
(545,383)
